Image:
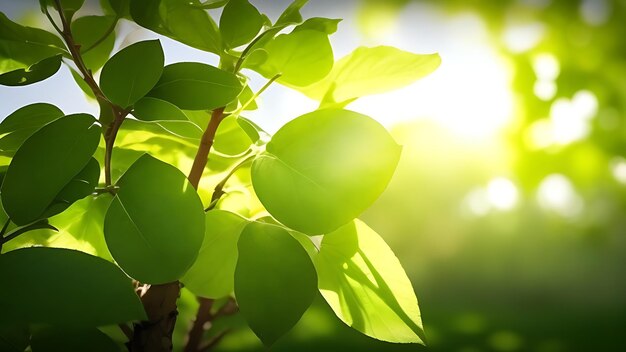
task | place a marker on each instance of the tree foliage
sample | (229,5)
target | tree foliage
(241,230)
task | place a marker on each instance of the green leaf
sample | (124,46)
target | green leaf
(56,339)
(212,274)
(374,70)
(32,74)
(69,6)
(256,134)
(320,24)
(82,185)
(153,109)
(178,20)
(180,130)
(366,286)
(132,72)
(269,259)
(155,224)
(35,178)
(300,57)
(231,138)
(330,164)
(80,290)
(23,122)
(117,7)
(291,15)
(88,31)
(196,86)
(240,23)
(22,47)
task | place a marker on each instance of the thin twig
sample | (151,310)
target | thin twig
(218,191)
(202,155)
(256,95)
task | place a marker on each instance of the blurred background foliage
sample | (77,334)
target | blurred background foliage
(507,208)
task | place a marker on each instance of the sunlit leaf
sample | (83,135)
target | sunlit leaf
(330,164)
(213,272)
(300,57)
(32,74)
(89,31)
(23,122)
(269,258)
(240,23)
(366,286)
(291,15)
(231,138)
(155,224)
(178,20)
(55,339)
(22,47)
(196,86)
(80,289)
(153,109)
(35,178)
(321,24)
(132,72)
(374,70)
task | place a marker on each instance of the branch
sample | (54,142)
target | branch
(197,330)
(118,112)
(218,191)
(201,159)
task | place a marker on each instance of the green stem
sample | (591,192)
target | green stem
(218,192)
(256,95)
(245,51)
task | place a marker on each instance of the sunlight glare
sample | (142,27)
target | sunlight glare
(470,93)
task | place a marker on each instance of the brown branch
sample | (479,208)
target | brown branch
(199,325)
(119,113)
(201,159)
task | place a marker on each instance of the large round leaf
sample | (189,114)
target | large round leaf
(323,169)
(275,281)
(132,72)
(155,224)
(196,86)
(213,272)
(45,164)
(64,287)
(366,286)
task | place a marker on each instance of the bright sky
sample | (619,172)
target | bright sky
(470,92)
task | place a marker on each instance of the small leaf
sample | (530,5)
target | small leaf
(23,122)
(132,72)
(196,86)
(56,339)
(231,138)
(87,32)
(22,47)
(330,164)
(32,74)
(269,259)
(153,109)
(374,70)
(291,15)
(320,24)
(80,290)
(240,23)
(366,286)
(212,274)
(34,178)
(155,224)
(300,57)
